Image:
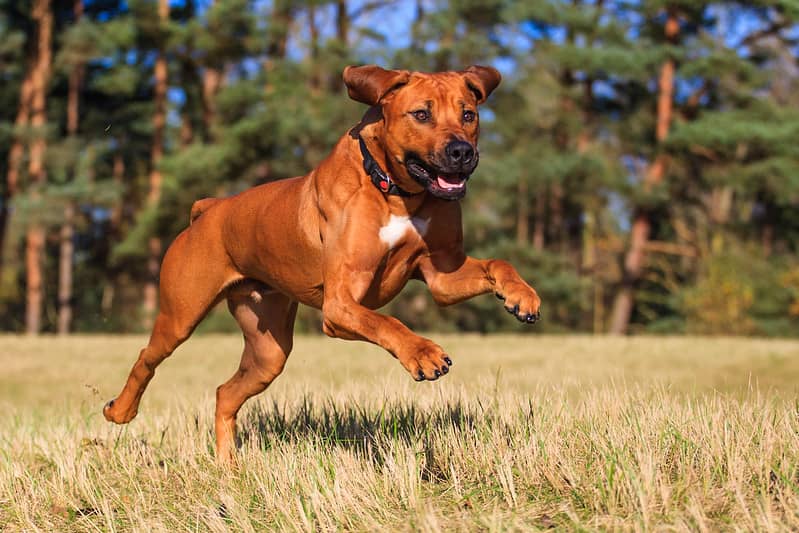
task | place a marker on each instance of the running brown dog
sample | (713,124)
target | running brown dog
(380,210)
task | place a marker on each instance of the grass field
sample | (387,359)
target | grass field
(525,433)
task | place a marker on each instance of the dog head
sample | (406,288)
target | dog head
(429,125)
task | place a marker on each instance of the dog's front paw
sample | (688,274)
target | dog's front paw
(426,361)
(521,301)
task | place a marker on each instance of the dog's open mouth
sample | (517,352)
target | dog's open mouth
(443,185)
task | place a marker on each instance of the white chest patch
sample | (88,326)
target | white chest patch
(397,226)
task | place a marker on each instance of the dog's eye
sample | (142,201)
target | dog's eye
(469,116)
(422,115)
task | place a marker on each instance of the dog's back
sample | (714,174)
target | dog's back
(201,206)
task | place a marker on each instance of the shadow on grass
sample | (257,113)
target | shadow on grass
(365,430)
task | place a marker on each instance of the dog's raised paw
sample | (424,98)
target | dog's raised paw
(427,362)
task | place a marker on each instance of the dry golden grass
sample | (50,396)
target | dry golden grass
(525,433)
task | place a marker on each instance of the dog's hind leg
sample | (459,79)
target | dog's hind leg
(190,286)
(267,321)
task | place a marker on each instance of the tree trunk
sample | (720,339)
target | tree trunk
(280,21)
(642,223)
(342,22)
(522,213)
(189,78)
(154,247)
(186,130)
(416,28)
(316,76)
(539,230)
(22,119)
(34,237)
(212,80)
(67,247)
(115,228)
(118,174)
(15,154)
(557,224)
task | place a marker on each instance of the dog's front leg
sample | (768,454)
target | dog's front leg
(344,317)
(454,277)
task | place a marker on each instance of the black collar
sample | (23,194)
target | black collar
(380,179)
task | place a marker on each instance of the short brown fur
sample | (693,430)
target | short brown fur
(316,240)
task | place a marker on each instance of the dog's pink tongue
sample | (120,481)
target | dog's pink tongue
(449,181)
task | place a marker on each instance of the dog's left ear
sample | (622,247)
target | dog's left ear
(369,83)
(481,80)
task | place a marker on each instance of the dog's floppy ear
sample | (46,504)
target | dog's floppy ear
(481,80)
(369,83)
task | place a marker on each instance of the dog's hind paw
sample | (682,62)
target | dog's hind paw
(112,414)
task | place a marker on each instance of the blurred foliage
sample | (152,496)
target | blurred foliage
(567,142)
(720,303)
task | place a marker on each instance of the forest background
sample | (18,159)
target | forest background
(639,162)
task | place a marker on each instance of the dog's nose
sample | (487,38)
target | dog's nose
(459,153)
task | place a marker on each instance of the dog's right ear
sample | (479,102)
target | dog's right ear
(369,83)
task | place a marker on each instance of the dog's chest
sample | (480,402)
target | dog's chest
(399,228)
(402,237)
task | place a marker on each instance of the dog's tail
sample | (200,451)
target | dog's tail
(201,206)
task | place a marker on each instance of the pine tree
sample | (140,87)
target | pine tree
(155,244)
(67,233)
(42,14)
(642,224)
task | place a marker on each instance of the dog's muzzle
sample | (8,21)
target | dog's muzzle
(447,181)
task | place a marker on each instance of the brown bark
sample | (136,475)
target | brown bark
(75,81)
(342,22)
(34,237)
(522,213)
(67,249)
(22,119)
(118,174)
(212,81)
(115,229)
(156,154)
(66,245)
(642,224)
(539,229)
(186,130)
(280,21)
(557,224)
(34,293)
(416,27)
(316,76)
(15,157)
